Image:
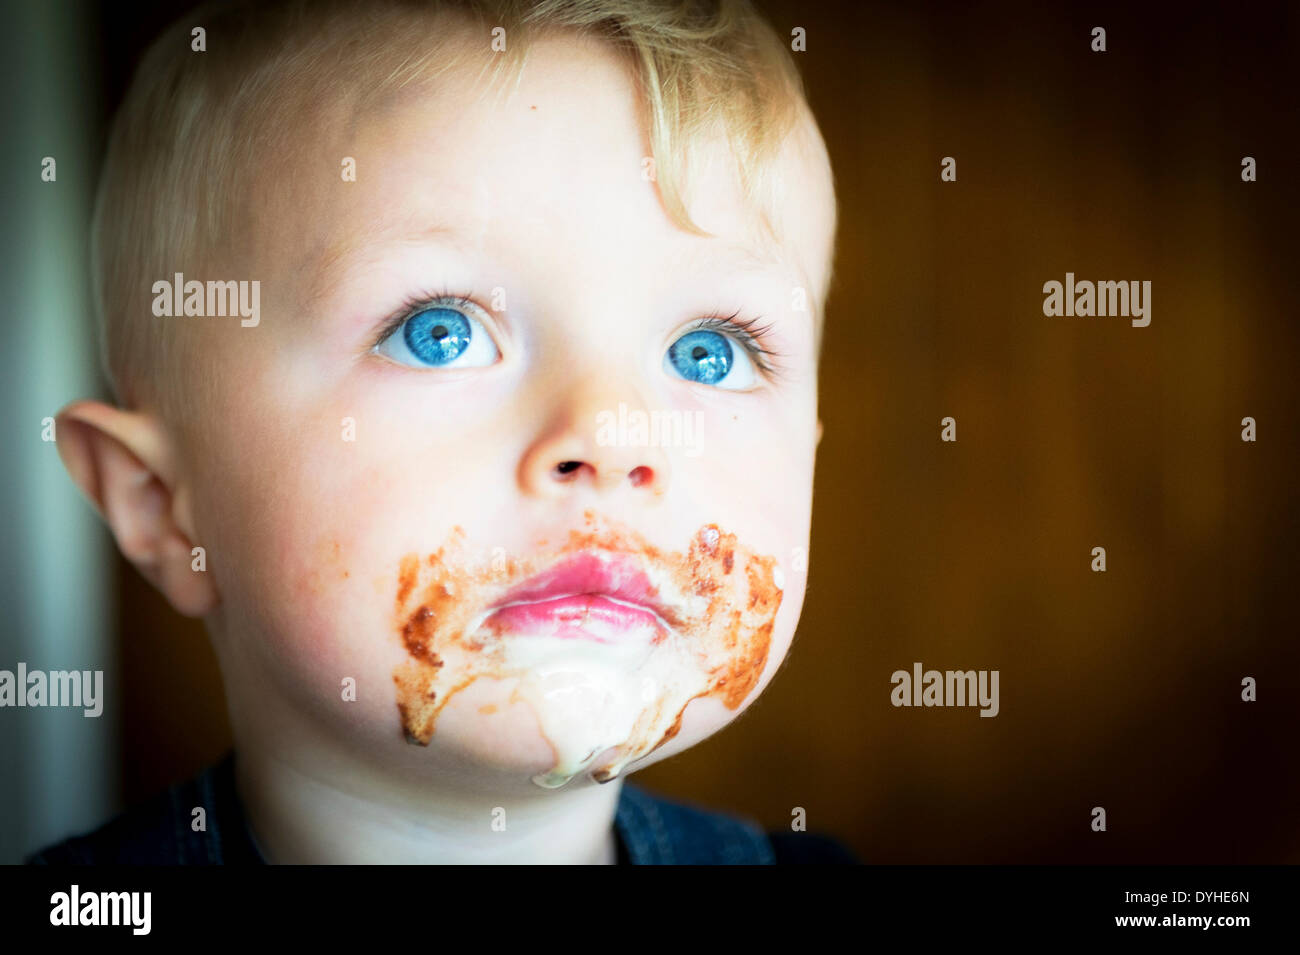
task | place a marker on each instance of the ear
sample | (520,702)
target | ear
(819,430)
(123,463)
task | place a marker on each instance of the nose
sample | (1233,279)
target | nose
(589,446)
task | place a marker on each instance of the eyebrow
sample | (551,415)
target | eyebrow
(324,267)
(744,258)
(738,255)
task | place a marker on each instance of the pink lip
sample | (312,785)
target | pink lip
(584,597)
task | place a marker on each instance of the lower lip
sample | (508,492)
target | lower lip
(579,616)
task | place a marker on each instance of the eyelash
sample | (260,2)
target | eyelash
(413,305)
(750,333)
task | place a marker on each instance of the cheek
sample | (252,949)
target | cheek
(755,461)
(304,552)
(307,614)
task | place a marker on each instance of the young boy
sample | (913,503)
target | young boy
(466,367)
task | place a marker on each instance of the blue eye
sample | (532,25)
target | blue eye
(710,358)
(440,336)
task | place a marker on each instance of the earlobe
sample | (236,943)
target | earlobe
(122,462)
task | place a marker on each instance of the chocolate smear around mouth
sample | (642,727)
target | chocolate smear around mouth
(589,697)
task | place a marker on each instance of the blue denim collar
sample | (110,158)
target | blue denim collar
(657,831)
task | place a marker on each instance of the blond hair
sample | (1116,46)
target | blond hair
(193,124)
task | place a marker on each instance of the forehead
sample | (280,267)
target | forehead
(558,157)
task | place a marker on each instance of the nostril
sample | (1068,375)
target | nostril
(568,470)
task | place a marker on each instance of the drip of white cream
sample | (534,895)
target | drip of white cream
(589,697)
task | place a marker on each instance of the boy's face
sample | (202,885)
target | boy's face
(366,513)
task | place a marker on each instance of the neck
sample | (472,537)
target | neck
(320,807)
(312,797)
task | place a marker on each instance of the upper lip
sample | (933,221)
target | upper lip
(604,573)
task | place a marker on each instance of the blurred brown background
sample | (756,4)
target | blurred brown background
(1119,689)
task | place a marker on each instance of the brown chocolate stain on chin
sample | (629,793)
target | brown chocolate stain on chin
(724,628)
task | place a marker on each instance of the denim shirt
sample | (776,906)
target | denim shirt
(649,830)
